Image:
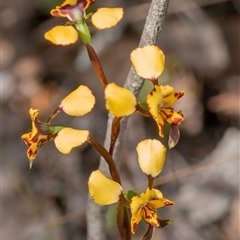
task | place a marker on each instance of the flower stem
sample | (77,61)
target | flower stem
(96,65)
(150,181)
(114,133)
(143,111)
(108,158)
(53,115)
(124,201)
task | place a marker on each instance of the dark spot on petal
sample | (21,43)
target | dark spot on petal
(178,94)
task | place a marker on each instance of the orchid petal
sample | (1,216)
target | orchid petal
(151,156)
(79,102)
(119,101)
(103,190)
(148,61)
(69,138)
(62,35)
(107,17)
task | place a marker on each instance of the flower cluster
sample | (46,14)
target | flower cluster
(149,64)
(104,191)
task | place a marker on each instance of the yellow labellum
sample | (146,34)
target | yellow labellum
(119,101)
(68,138)
(107,17)
(62,35)
(79,102)
(103,190)
(148,61)
(151,156)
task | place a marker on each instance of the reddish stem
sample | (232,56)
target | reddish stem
(96,65)
(114,133)
(111,164)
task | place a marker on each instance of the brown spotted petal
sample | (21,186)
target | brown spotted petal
(170,96)
(170,116)
(154,100)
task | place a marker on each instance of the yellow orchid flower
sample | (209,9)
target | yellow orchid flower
(148,62)
(159,102)
(151,156)
(143,207)
(105,191)
(75,11)
(65,138)
(121,102)
(37,137)
(78,103)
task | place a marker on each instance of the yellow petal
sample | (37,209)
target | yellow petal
(69,2)
(171,117)
(32,151)
(33,113)
(138,202)
(150,216)
(135,219)
(69,138)
(154,100)
(160,124)
(79,102)
(170,96)
(34,117)
(151,156)
(119,101)
(27,138)
(107,17)
(103,190)
(62,35)
(158,193)
(158,203)
(148,61)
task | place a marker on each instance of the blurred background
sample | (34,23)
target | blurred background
(201,41)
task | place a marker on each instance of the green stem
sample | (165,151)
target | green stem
(83,32)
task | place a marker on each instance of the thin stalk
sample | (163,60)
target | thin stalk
(96,65)
(108,158)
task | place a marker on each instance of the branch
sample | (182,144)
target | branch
(153,26)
